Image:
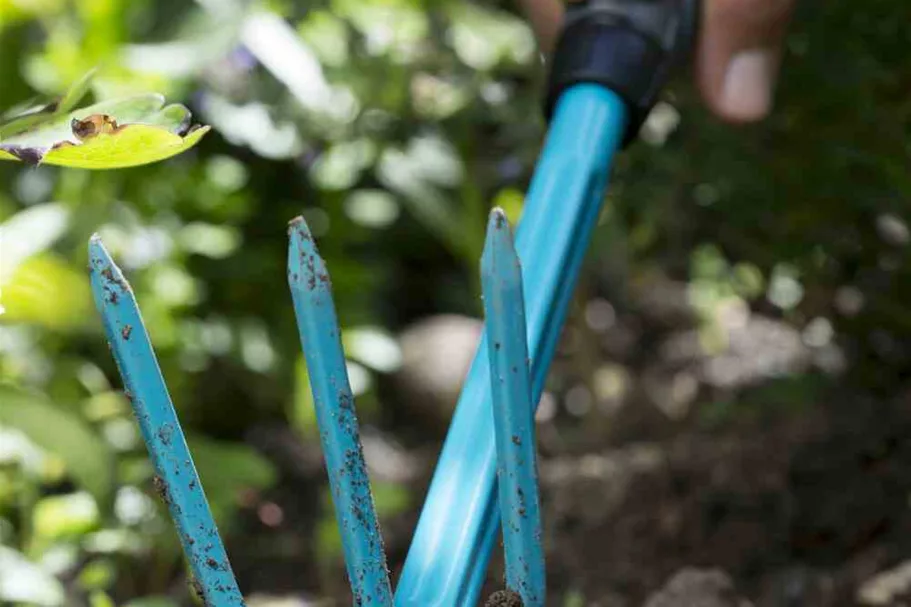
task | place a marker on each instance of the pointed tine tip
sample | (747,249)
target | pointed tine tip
(499,254)
(108,283)
(498,228)
(305,266)
(297,223)
(299,232)
(497,220)
(99,257)
(96,246)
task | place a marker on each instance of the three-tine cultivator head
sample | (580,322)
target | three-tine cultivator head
(182,490)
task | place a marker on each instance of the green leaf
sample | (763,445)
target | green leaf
(46,290)
(85,454)
(13,11)
(174,118)
(390,499)
(483,38)
(100,599)
(328,539)
(134,145)
(59,128)
(22,581)
(76,92)
(30,232)
(111,134)
(23,118)
(98,575)
(64,516)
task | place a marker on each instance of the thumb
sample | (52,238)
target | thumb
(545,17)
(738,55)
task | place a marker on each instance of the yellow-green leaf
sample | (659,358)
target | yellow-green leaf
(46,290)
(132,145)
(13,11)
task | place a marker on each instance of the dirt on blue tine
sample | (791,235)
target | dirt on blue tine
(176,480)
(513,413)
(320,335)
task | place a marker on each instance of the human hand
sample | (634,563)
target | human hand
(737,54)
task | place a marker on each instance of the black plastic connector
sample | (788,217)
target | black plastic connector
(629,46)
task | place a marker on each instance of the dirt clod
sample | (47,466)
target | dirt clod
(161,488)
(504,598)
(93,125)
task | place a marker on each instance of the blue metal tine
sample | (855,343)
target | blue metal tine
(321,341)
(513,413)
(176,479)
(447,561)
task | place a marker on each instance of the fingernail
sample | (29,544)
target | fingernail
(747,92)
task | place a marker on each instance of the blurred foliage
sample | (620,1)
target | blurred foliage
(393,126)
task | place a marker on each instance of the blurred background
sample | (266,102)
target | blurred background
(731,390)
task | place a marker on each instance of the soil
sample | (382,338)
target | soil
(774,506)
(798,512)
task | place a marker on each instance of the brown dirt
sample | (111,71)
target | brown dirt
(504,598)
(799,512)
(797,504)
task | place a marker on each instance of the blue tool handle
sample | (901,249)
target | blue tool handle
(447,562)
(609,66)
(628,46)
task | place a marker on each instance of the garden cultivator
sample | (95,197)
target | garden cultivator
(612,60)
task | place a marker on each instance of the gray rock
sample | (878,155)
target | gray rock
(887,587)
(436,354)
(698,588)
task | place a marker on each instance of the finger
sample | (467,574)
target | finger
(738,55)
(546,17)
